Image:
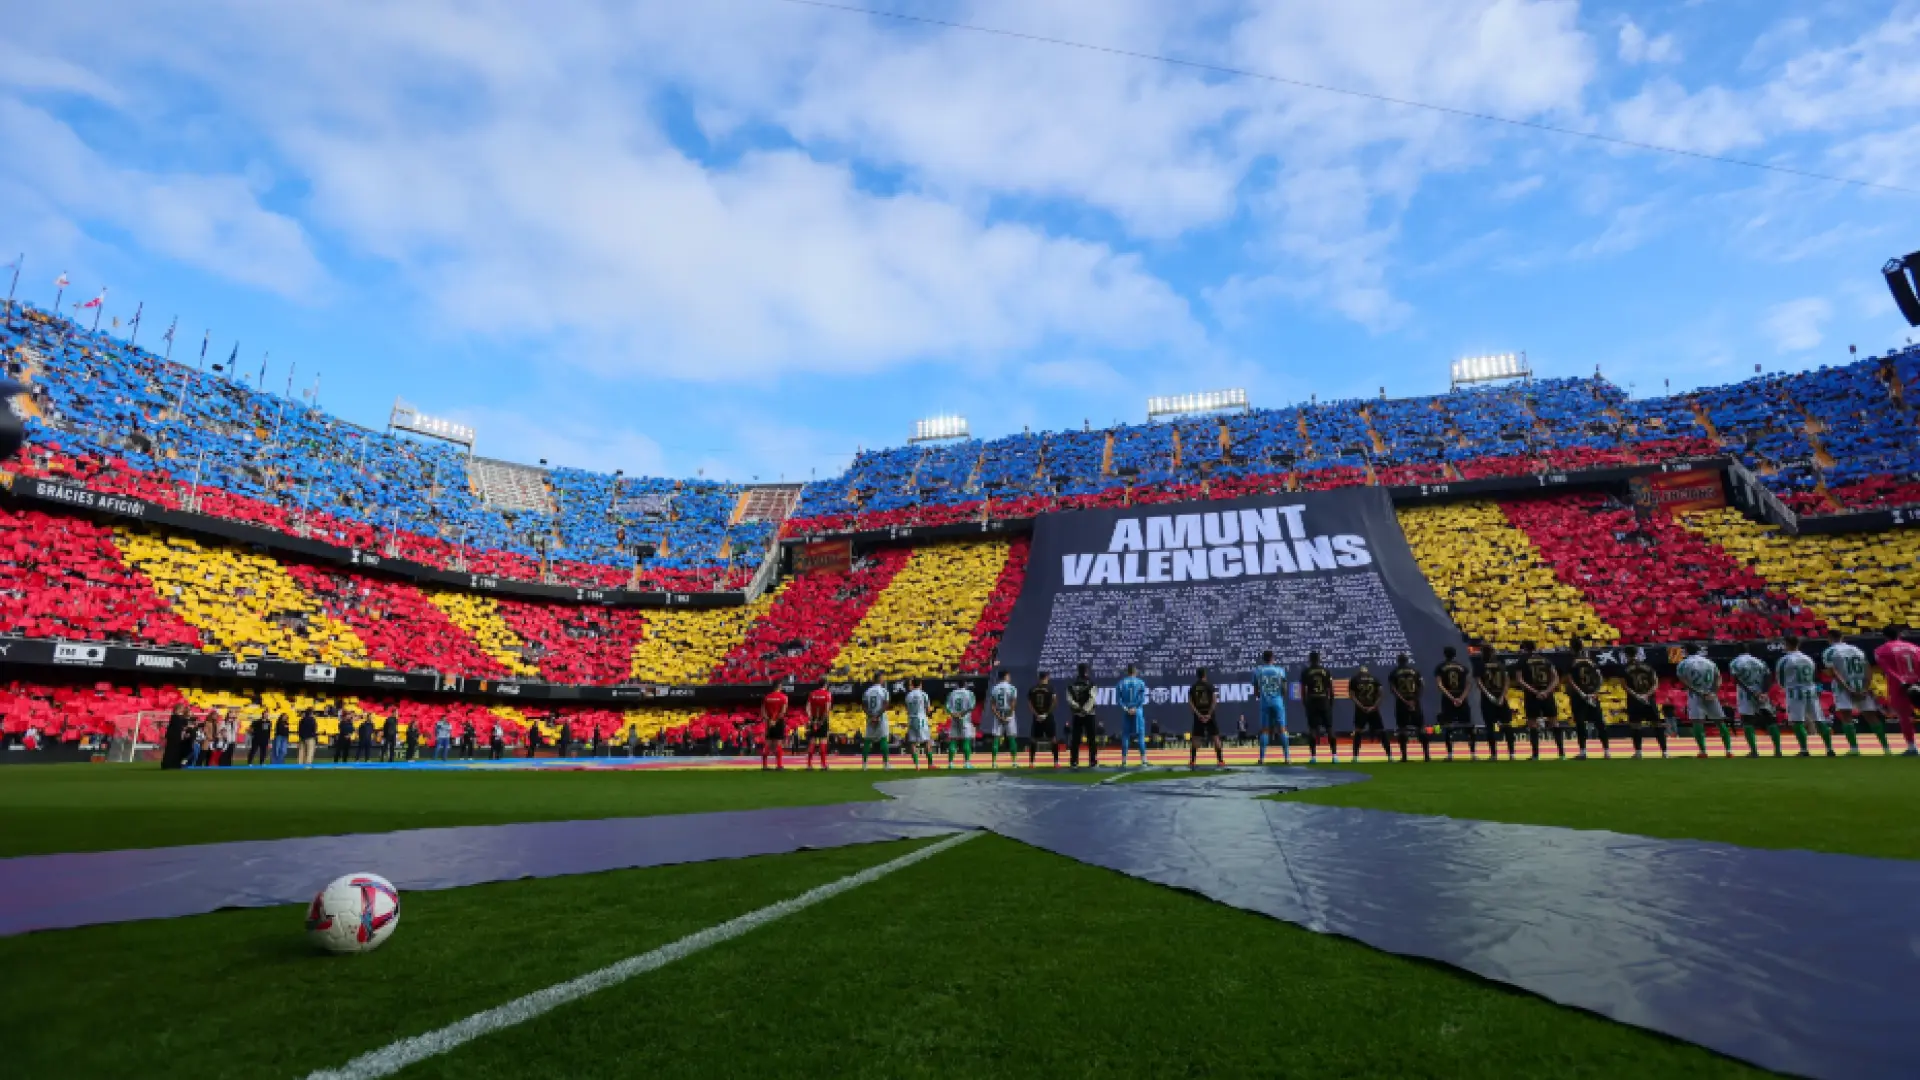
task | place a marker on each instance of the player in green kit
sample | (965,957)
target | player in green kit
(1701,677)
(874,702)
(1751,678)
(960,723)
(1003,700)
(1852,693)
(1799,679)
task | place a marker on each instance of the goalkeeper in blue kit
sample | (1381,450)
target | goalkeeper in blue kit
(1131,696)
(1270,681)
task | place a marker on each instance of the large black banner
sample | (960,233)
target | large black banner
(1177,587)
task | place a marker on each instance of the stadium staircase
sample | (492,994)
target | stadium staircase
(504,485)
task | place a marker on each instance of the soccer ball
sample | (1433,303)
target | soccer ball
(355,914)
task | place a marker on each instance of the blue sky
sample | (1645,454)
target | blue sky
(744,237)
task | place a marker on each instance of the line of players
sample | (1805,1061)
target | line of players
(1533,673)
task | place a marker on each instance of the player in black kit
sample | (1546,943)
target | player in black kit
(1316,690)
(1406,683)
(1490,674)
(1201,698)
(1040,700)
(1583,693)
(1538,680)
(1456,713)
(1643,713)
(1364,691)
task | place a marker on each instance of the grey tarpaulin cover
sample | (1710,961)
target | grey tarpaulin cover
(45,892)
(1798,961)
(1801,962)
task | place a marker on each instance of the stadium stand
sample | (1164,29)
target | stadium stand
(119,419)
(1650,579)
(62,577)
(924,620)
(403,629)
(242,602)
(100,407)
(1859,582)
(1493,580)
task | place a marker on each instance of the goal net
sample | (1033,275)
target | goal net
(136,731)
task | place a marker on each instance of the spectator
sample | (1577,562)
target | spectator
(173,753)
(280,739)
(309,737)
(258,745)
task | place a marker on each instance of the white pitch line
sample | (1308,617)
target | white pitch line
(391,1059)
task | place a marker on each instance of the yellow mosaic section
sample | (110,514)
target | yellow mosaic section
(684,646)
(1492,580)
(1859,582)
(274,704)
(480,617)
(247,603)
(922,622)
(649,723)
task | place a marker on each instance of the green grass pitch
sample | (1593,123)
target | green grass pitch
(992,959)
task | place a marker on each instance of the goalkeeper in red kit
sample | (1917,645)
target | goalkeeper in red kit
(819,708)
(773,713)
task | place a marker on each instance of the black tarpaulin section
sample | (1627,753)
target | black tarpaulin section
(1797,961)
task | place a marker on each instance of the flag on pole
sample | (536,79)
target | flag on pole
(168,336)
(60,282)
(204,340)
(93,303)
(261,382)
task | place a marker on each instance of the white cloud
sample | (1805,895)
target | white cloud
(213,221)
(1516,189)
(1637,48)
(515,433)
(1795,326)
(1865,80)
(1710,121)
(29,70)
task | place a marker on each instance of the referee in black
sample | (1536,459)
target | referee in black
(1202,699)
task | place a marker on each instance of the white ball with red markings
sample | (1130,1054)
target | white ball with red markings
(355,914)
